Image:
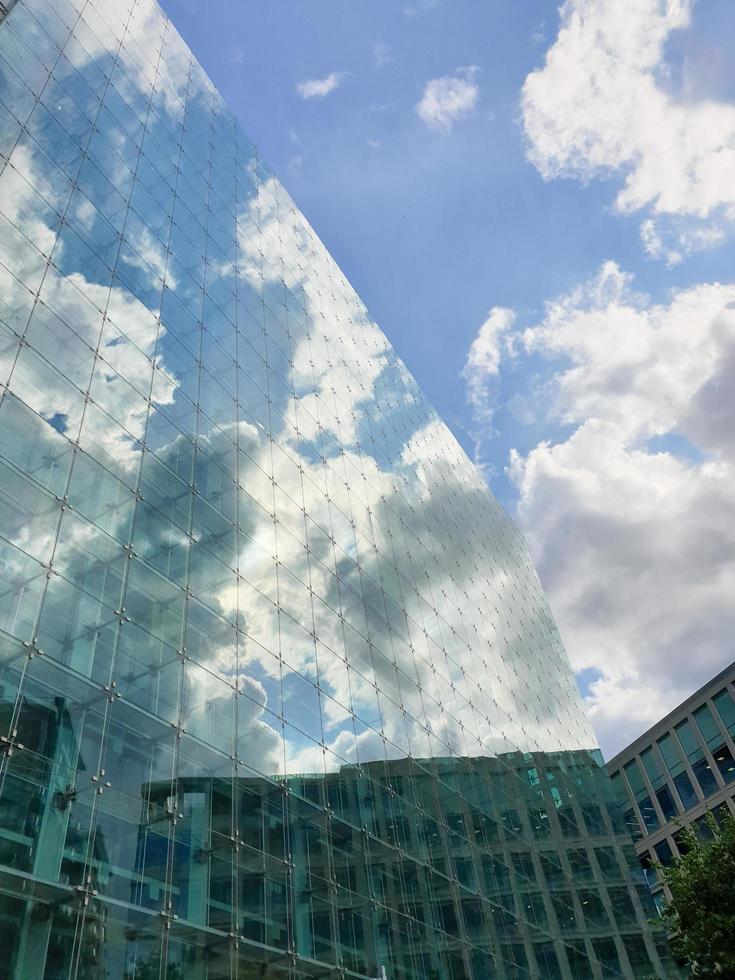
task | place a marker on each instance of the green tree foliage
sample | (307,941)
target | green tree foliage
(701,913)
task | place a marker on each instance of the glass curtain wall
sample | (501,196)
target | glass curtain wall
(280,694)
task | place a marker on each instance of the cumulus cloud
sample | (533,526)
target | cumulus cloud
(449,98)
(599,106)
(628,509)
(483,359)
(318,88)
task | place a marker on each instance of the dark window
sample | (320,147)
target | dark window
(564,909)
(705,777)
(685,790)
(579,964)
(666,802)
(551,866)
(631,823)
(725,762)
(568,822)
(648,813)
(581,867)
(523,866)
(635,947)
(607,953)
(593,909)
(548,964)
(664,854)
(622,904)
(608,862)
(594,819)
(649,872)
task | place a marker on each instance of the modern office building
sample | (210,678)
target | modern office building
(280,694)
(678,772)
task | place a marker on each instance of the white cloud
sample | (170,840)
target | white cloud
(419,7)
(631,517)
(673,241)
(598,106)
(483,359)
(318,88)
(449,98)
(382,54)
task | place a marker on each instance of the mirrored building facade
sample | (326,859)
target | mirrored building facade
(280,694)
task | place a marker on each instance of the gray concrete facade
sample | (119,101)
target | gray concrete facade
(678,772)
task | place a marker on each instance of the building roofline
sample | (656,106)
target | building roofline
(645,738)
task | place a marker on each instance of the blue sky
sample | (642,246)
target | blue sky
(571,171)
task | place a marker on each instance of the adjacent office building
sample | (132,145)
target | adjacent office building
(280,694)
(677,773)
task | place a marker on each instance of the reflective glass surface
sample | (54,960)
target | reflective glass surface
(725,705)
(281,695)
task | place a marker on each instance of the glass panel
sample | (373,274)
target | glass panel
(725,706)
(671,753)
(707,726)
(650,764)
(689,741)
(666,802)
(704,776)
(725,763)
(635,778)
(650,873)
(648,813)
(685,790)
(664,854)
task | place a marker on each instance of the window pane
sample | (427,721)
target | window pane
(705,777)
(635,778)
(725,763)
(650,764)
(707,726)
(648,812)
(726,709)
(689,741)
(670,752)
(685,790)
(666,802)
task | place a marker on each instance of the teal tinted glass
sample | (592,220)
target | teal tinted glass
(688,739)
(671,753)
(707,726)
(650,764)
(725,705)
(635,778)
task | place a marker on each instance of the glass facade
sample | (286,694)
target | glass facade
(280,695)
